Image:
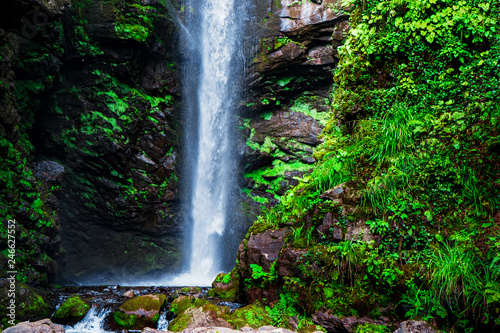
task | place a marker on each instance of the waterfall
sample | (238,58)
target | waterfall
(210,80)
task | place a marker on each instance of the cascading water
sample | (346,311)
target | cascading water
(210,89)
(93,322)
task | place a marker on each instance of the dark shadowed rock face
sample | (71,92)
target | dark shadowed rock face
(93,90)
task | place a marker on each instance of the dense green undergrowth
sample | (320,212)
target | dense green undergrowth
(414,132)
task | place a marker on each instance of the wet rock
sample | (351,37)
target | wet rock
(328,321)
(321,55)
(225,286)
(71,311)
(30,306)
(263,249)
(289,125)
(289,260)
(330,228)
(192,313)
(334,194)
(303,17)
(41,326)
(413,326)
(49,171)
(140,312)
(341,194)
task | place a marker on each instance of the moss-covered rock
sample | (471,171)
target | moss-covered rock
(140,312)
(253,315)
(30,305)
(198,312)
(71,311)
(225,286)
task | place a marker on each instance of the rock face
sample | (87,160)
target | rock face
(41,326)
(288,101)
(26,199)
(90,108)
(263,249)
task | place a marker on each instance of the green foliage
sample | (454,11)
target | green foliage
(282,310)
(372,328)
(132,31)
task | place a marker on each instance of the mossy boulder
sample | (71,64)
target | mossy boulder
(225,286)
(198,312)
(140,312)
(71,311)
(253,315)
(30,305)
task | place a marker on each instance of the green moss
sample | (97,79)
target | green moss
(180,322)
(124,320)
(181,303)
(253,315)
(36,307)
(72,310)
(132,31)
(147,302)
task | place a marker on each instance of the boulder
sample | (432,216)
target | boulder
(225,286)
(289,260)
(331,323)
(414,326)
(263,249)
(49,171)
(335,194)
(140,312)
(30,306)
(41,326)
(71,311)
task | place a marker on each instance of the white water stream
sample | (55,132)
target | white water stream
(93,322)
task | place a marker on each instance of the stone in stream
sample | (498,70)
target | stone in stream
(41,326)
(140,312)
(71,311)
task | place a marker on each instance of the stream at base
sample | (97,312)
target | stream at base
(105,300)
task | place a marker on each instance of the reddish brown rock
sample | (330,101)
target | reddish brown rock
(41,326)
(413,326)
(328,321)
(263,249)
(289,260)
